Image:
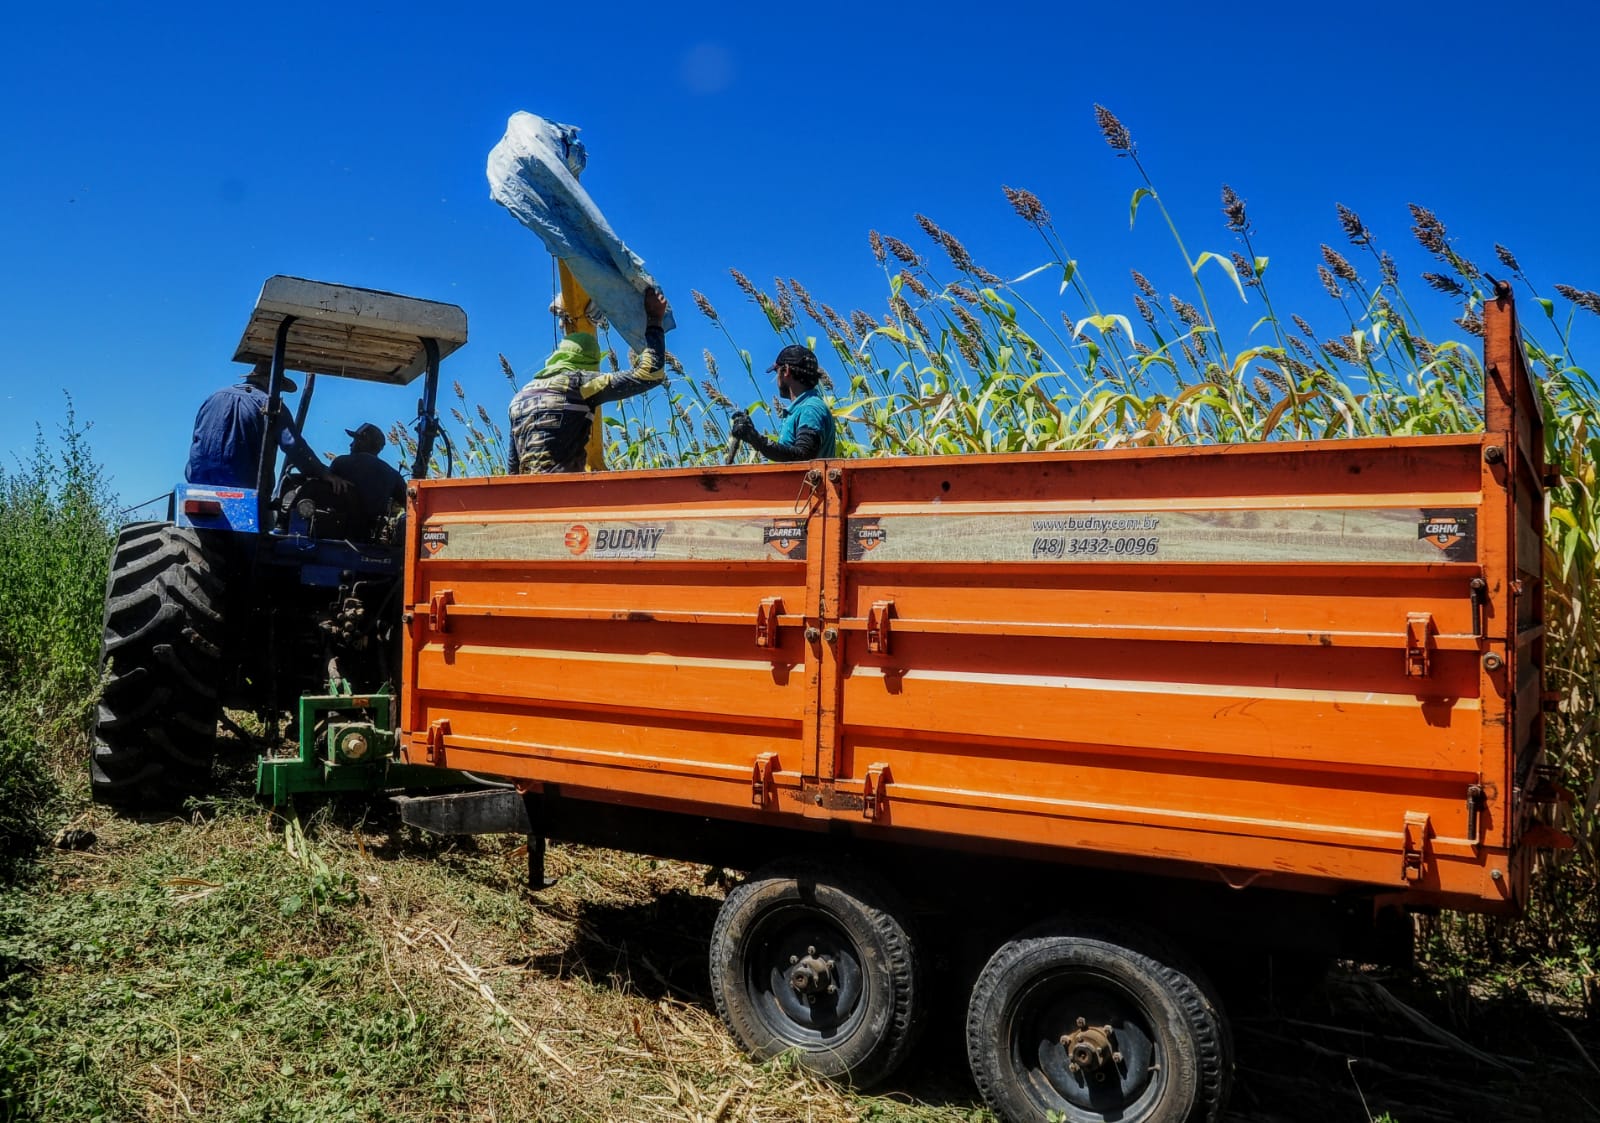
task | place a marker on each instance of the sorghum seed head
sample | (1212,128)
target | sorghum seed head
(1026,204)
(1386,266)
(1507,258)
(864,323)
(1329,282)
(968,349)
(1299,345)
(1340,266)
(985,276)
(1354,228)
(838,323)
(1113,130)
(710,360)
(1427,229)
(785,302)
(962,292)
(902,251)
(716,397)
(876,241)
(1145,312)
(744,284)
(929,227)
(1340,349)
(1583,298)
(1144,285)
(1242,266)
(1233,210)
(909,280)
(1470,323)
(1440,283)
(704,305)
(1304,327)
(1186,311)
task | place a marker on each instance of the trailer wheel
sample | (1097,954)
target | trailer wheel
(1093,1022)
(161,656)
(818,963)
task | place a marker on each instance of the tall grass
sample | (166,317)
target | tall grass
(961,359)
(56,534)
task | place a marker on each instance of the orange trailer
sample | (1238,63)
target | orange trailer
(1299,680)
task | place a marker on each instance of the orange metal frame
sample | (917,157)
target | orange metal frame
(1309,665)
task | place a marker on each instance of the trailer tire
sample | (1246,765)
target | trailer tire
(790,931)
(160,657)
(1042,998)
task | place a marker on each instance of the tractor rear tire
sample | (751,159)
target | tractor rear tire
(161,660)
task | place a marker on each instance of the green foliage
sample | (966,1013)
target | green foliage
(55,543)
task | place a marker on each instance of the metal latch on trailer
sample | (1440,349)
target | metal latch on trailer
(1420,631)
(763,786)
(874,800)
(1414,846)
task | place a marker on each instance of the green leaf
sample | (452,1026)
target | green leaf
(1103,323)
(1031,273)
(1227,267)
(1069,271)
(896,283)
(1139,196)
(1549,307)
(291,905)
(1259,265)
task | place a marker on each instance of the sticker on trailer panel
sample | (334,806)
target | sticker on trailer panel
(715,539)
(434,540)
(1291,535)
(576,539)
(1451,533)
(864,536)
(787,536)
(612,541)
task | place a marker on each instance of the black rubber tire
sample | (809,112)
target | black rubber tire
(160,656)
(859,1034)
(1176,1051)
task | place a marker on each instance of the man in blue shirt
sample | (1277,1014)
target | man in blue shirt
(229,429)
(808,428)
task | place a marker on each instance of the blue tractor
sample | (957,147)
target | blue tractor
(253,599)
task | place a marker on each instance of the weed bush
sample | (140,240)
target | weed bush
(56,534)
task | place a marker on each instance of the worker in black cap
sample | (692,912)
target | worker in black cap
(375,483)
(808,427)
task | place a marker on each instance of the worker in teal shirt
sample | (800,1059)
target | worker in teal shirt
(808,428)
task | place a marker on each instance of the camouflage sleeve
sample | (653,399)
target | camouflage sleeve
(649,371)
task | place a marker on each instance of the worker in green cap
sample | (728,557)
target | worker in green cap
(552,415)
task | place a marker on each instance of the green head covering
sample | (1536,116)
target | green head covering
(579,351)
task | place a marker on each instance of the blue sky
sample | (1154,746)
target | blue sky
(160,161)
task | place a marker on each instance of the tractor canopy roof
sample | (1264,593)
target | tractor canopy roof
(348,332)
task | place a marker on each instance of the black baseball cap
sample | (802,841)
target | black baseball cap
(803,359)
(368,434)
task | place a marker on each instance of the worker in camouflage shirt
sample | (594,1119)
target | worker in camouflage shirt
(551,416)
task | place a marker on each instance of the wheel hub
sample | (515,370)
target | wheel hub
(1091,1050)
(811,974)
